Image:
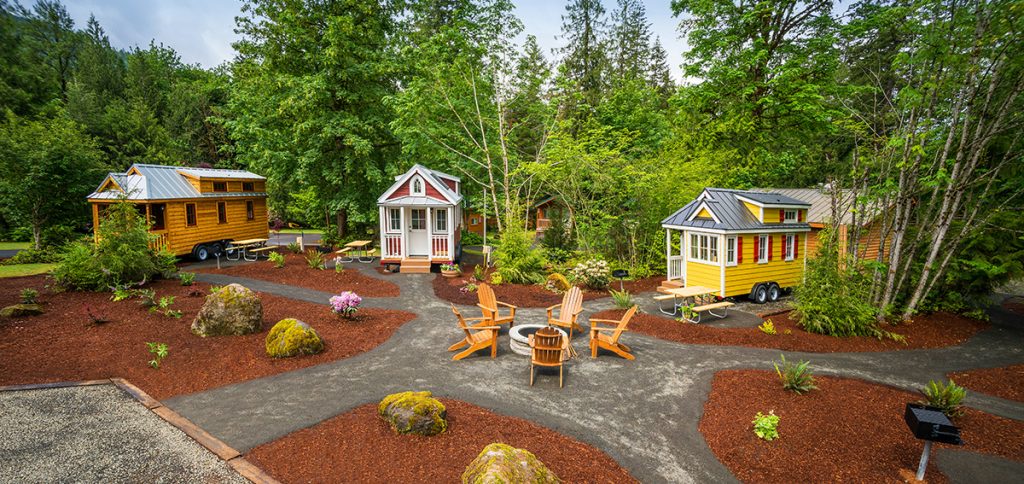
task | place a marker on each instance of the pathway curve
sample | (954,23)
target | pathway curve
(643,413)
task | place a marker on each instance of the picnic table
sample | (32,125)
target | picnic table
(241,248)
(700,296)
(361,246)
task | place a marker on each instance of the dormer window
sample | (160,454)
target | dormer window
(790,217)
(416,188)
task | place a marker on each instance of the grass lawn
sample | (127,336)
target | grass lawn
(301,231)
(14,245)
(19,270)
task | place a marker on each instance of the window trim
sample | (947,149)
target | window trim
(152,217)
(788,247)
(413,219)
(394,223)
(762,248)
(735,246)
(417,180)
(195,215)
(441,216)
(785,216)
(704,249)
(248,186)
(224,219)
(224,184)
(250,210)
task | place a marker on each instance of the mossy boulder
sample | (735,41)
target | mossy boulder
(502,463)
(232,310)
(413,413)
(558,282)
(21,310)
(291,337)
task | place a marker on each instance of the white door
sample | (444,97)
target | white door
(419,244)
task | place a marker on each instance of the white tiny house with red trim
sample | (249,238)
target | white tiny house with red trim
(421,220)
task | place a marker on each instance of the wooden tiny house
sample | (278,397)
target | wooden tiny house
(421,220)
(740,242)
(193,211)
(869,233)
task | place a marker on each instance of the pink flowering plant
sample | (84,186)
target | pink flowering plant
(345,304)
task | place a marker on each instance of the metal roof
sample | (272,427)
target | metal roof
(416,201)
(218,173)
(435,178)
(729,210)
(160,182)
(821,204)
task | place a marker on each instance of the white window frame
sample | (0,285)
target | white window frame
(730,250)
(790,220)
(413,219)
(416,180)
(441,221)
(474,221)
(762,248)
(789,247)
(704,248)
(694,246)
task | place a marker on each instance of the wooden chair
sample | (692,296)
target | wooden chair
(489,305)
(598,338)
(568,311)
(548,348)
(478,336)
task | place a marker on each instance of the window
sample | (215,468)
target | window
(730,250)
(474,221)
(419,219)
(704,248)
(416,188)
(250,213)
(220,186)
(790,246)
(694,246)
(222,212)
(790,216)
(440,220)
(156,215)
(248,187)
(190,214)
(762,248)
(713,249)
(394,219)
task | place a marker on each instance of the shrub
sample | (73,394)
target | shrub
(471,238)
(622,299)
(557,283)
(294,248)
(946,397)
(345,304)
(593,273)
(187,278)
(315,259)
(159,352)
(147,297)
(766,426)
(796,378)
(164,306)
(479,273)
(517,261)
(29,295)
(468,287)
(277,259)
(32,256)
(767,327)
(496,279)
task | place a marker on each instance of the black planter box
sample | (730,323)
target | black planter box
(929,423)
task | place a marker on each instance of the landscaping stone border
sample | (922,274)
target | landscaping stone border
(217,447)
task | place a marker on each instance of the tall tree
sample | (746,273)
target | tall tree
(659,75)
(630,42)
(52,30)
(585,57)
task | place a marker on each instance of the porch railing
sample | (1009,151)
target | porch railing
(675,267)
(543,224)
(392,246)
(157,240)
(439,247)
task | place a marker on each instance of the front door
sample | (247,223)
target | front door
(419,244)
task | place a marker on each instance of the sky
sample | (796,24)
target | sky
(201,31)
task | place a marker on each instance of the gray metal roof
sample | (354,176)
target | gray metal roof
(160,182)
(729,210)
(435,178)
(415,201)
(218,173)
(821,204)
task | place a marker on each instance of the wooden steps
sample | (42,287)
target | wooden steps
(415,266)
(666,285)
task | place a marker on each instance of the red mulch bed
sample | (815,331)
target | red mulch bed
(847,430)
(934,330)
(62,345)
(1006,382)
(357,446)
(528,295)
(297,273)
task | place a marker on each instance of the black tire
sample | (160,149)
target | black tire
(760,294)
(216,248)
(201,252)
(774,291)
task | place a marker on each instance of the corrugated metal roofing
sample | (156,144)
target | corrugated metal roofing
(729,210)
(159,182)
(219,173)
(821,204)
(436,180)
(410,200)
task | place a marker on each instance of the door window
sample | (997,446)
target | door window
(418,219)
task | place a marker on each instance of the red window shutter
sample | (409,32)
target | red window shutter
(782,215)
(799,215)
(796,246)
(739,249)
(757,247)
(770,247)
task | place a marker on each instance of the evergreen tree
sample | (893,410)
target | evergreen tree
(659,76)
(630,40)
(584,57)
(55,41)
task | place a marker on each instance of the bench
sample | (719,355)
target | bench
(667,297)
(710,309)
(367,256)
(256,252)
(342,255)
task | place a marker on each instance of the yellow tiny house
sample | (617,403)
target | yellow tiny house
(193,211)
(738,242)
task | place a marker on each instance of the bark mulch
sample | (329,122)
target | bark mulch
(61,344)
(934,330)
(357,446)
(528,295)
(847,430)
(1005,382)
(297,273)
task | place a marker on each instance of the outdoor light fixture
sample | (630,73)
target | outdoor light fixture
(620,274)
(930,425)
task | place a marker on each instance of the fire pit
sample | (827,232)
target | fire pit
(519,337)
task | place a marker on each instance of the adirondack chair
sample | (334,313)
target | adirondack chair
(478,336)
(568,311)
(547,348)
(610,342)
(489,306)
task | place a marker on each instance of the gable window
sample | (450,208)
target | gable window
(790,247)
(441,220)
(220,186)
(222,212)
(248,187)
(704,248)
(790,217)
(730,250)
(190,214)
(250,213)
(416,187)
(762,248)
(394,219)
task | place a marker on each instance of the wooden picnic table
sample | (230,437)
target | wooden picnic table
(361,246)
(680,294)
(242,246)
(248,242)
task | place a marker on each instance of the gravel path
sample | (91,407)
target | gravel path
(96,434)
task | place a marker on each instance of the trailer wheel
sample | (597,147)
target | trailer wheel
(760,294)
(201,252)
(216,249)
(774,291)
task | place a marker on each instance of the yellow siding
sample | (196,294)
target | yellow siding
(703,213)
(754,209)
(700,274)
(739,279)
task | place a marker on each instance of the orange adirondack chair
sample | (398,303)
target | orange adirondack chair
(568,311)
(610,342)
(489,305)
(547,348)
(478,336)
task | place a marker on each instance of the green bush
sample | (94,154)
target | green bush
(79,269)
(622,299)
(471,238)
(315,259)
(766,426)
(277,259)
(29,295)
(556,236)
(187,278)
(517,261)
(32,256)
(294,248)
(946,397)
(796,378)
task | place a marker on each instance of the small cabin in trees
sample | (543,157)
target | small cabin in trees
(192,211)
(421,220)
(738,242)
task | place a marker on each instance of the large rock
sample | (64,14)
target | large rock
(21,310)
(290,337)
(504,463)
(231,310)
(413,413)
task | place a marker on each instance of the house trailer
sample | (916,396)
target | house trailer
(421,220)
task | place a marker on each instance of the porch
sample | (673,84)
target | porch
(418,236)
